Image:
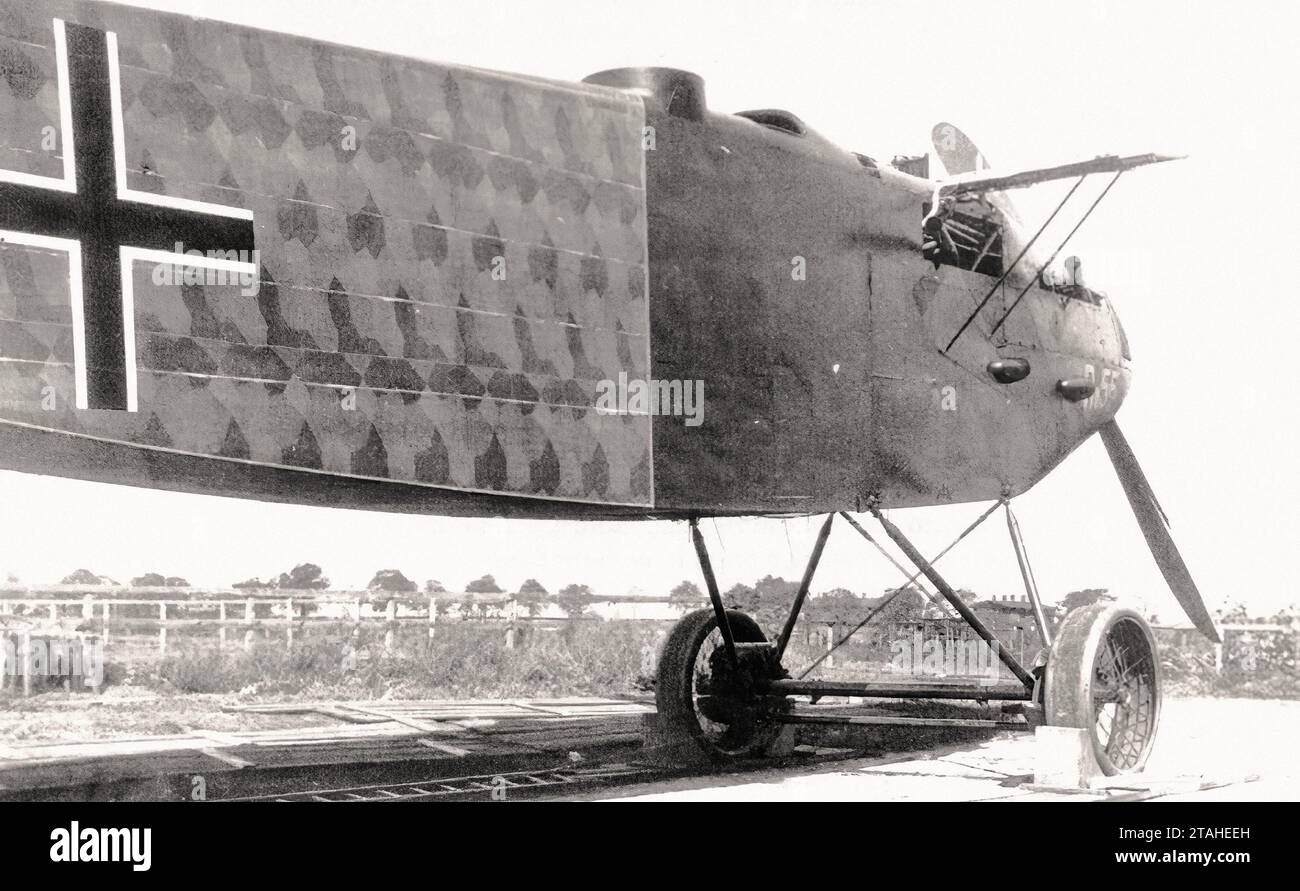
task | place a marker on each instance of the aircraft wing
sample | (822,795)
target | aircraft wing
(1026,178)
(408,273)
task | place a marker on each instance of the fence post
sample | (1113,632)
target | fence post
(221,625)
(433,616)
(97,681)
(106,620)
(27,663)
(88,607)
(248,611)
(512,615)
(390,635)
(289,618)
(162,628)
(248,641)
(830,646)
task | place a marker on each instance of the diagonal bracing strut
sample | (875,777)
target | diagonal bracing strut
(897,591)
(1027,574)
(804,585)
(719,608)
(976,624)
(912,578)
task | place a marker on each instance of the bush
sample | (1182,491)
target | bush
(1255,665)
(465,661)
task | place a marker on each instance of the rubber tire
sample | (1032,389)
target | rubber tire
(675,681)
(1070,667)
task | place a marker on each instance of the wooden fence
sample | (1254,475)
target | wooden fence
(109,617)
(72,621)
(240,621)
(1241,645)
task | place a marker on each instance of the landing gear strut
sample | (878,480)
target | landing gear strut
(722,684)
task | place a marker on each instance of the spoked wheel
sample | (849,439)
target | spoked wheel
(1104,676)
(700,693)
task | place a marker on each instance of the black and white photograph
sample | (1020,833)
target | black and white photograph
(741,401)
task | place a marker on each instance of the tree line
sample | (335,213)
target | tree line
(767,599)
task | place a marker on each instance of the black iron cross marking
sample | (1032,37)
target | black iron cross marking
(103,222)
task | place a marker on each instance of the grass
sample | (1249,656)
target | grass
(465,661)
(144,694)
(148,694)
(1254,666)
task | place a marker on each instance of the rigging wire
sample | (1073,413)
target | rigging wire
(1059,248)
(1014,263)
(899,590)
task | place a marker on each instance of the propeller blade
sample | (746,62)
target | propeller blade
(962,158)
(957,151)
(1155,527)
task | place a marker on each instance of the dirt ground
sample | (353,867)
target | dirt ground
(119,713)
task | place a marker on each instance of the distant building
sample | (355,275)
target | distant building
(644,608)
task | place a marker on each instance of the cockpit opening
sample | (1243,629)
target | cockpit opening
(1068,282)
(964,233)
(776,119)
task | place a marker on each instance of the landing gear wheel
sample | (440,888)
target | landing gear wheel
(699,692)
(1104,676)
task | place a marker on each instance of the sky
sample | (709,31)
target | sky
(1196,255)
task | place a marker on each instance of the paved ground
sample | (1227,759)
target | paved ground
(1201,740)
(1227,736)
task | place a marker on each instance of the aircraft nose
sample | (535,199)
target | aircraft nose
(1120,337)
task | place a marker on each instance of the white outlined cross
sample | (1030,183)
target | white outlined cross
(104,226)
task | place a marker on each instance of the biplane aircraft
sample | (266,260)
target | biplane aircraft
(253,265)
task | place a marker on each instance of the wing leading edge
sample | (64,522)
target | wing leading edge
(1026,178)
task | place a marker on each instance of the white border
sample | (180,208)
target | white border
(128,256)
(68,138)
(73,249)
(645,258)
(124,193)
(68,182)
